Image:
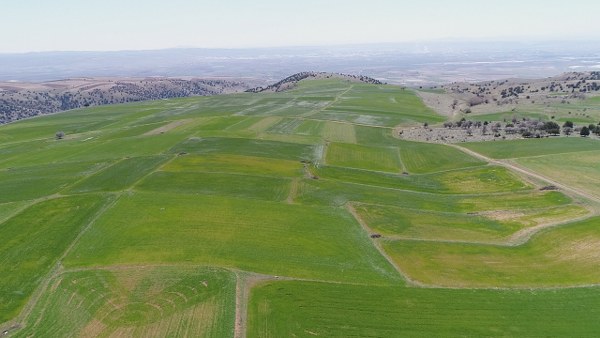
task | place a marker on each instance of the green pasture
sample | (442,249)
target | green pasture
(27,183)
(273,238)
(120,175)
(208,184)
(421,158)
(534,147)
(308,309)
(248,147)
(33,241)
(364,157)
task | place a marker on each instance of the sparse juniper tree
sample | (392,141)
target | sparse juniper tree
(60,135)
(567,130)
(585,131)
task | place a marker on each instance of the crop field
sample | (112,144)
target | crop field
(270,238)
(403,223)
(33,241)
(580,170)
(304,309)
(421,158)
(158,301)
(534,147)
(362,157)
(295,213)
(557,258)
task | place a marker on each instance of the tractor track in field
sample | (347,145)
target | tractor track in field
(382,252)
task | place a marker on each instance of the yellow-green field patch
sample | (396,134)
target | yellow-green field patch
(409,223)
(480,180)
(264,124)
(137,302)
(565,256)
(339,132)
(580,170)
(235,164)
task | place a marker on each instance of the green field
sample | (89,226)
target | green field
(288,214)
(362,157)
(534,147)
(259,236)
(303,309)
(33,241)
(580,170)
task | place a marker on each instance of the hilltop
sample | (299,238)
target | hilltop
(19,100)
(292,81)
(509,94)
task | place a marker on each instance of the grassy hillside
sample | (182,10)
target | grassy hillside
(292,213)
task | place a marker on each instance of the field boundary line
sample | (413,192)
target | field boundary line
(102,169)
(18,211)
(245,281)
(377,245)
(158,167)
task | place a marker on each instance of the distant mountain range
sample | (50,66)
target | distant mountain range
(412,64)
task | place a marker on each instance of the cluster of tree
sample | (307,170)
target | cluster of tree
(525,127)
(569,128)
(572,85)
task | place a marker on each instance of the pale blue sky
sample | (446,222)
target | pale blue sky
(43,25)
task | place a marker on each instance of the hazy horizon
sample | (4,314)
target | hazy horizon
(69,25)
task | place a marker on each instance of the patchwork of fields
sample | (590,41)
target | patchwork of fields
(292,214)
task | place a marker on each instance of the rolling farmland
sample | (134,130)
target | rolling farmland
(292,214)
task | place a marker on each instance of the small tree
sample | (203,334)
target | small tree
(567,130)
(60,135)
(568,124)
(551,128)
(585,131)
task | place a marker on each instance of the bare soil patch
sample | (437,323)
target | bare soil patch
(167,127)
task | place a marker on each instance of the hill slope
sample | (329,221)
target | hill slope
(294,213)
(22,100)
